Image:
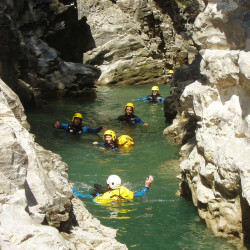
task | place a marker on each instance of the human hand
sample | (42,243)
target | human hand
(107,120)
(56,124)
(95,143)
(149,181)
(133,100)
(145,124)
(104,127)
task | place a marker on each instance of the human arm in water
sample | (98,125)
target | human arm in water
(93,130)
(85,129)
(106,147)
(98,143)
(138,120)
(147,98)
(141,99)
(79,194)
(144,190)
(61,126)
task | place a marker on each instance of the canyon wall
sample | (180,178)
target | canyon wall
(46,43)
(138,42)
(37,207)
(125,42)
(213,119)
(39,56)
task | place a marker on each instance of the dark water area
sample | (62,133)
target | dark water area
(159,220)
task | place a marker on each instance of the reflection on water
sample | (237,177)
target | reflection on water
(159,220)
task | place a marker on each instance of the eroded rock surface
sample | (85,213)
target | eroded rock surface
(30,65)
(137,42)
(213,116)
(37,207)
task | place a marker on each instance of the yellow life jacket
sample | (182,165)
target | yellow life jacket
(121,193)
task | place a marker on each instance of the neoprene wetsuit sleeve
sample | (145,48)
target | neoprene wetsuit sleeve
(91,130)
(64,126)
(142,192)
(142,99)
(79,194)
(138,120)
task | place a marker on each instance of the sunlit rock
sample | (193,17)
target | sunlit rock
(137,42)
(215,174)
(37,207)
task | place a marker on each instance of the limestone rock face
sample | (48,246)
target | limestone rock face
(214,110)
(28,63)
(37,207)
(137,42)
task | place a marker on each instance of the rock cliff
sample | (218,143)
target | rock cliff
(37,207)
(30,61)
(123,42)
(137,42)
(213,119)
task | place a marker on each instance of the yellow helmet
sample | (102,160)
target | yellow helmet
(126,141)
(155,88)
(109,132)
(171,71)
(76,115)
(130,104)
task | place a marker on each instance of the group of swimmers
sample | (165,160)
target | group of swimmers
(114,191)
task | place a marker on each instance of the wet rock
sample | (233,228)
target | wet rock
(216,171)
(136,41)
(37,207)
(29,65)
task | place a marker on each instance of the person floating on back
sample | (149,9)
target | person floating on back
(111,143)
(129,116)
(76,127)
(114,192)
(155,97)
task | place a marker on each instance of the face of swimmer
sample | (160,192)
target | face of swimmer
(154,92)
(129,110)
(108,139)
(77,121)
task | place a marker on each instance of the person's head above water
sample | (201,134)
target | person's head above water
(155,90)
(114,181)
(109,136)
(77,118)
(129,108)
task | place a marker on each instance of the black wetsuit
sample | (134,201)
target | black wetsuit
(155,98)
(152,98)
(131,119)
(74,129)
(78,129)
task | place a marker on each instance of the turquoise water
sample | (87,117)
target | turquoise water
(159,220)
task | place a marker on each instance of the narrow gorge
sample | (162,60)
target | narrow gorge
(57,49)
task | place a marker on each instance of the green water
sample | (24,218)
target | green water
(159,220)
